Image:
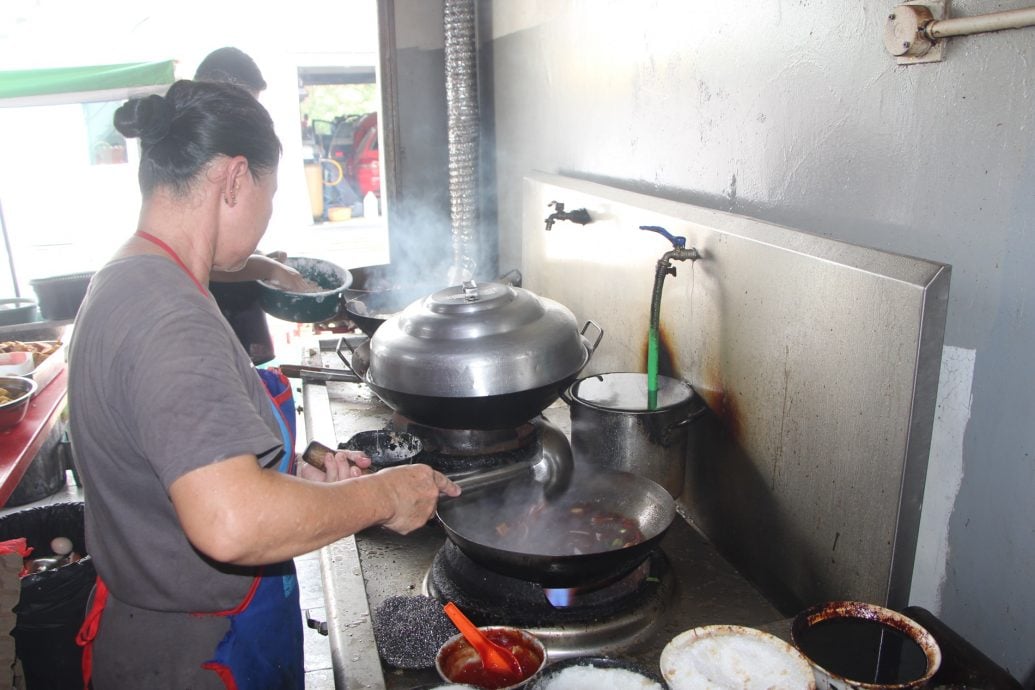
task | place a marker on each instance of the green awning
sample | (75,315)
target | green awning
(84,84)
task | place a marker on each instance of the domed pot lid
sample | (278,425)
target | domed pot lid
(476,340)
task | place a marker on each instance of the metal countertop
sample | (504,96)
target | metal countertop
(708,590)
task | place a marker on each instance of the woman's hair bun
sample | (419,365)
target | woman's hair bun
(148,118)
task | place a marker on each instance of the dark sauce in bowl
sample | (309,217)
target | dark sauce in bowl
(863,650)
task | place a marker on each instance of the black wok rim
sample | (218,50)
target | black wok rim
(566,570)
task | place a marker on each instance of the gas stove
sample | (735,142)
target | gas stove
(682,584)
(685,583)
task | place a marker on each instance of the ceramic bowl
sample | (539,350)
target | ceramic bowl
(307,307)
(732,657)
(853,645)
(458,662)
(15,310)
(19,389)
(597,672)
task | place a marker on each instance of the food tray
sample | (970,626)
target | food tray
(45,371)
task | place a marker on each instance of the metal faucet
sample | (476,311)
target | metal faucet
(579,215)
(664,267)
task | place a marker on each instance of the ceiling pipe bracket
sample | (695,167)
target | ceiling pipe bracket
(905,34)
(917,31)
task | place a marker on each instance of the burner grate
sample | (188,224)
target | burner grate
(491,598)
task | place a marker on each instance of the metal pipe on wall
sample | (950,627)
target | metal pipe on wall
(463,134)
(915,31)
(996,21)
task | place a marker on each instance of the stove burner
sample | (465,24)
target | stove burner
(466,442)
(456,452)
(491,598)
(601,592)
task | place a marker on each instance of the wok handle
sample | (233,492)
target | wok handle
(342,345)
(307,373)
(315,453)
(600,335)
(512,277)
(469,481)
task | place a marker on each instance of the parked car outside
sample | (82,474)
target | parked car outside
(364,166)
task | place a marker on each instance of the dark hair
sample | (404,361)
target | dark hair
(232,66)
(192,124)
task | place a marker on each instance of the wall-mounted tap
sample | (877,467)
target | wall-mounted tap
(664,267)
(579,215)
(679,250)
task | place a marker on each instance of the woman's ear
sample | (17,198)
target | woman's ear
(236,171)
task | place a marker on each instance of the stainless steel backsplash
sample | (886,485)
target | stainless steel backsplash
(818,359)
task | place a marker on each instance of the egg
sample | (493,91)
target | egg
(61,546)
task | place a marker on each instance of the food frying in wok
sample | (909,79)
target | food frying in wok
(579,529)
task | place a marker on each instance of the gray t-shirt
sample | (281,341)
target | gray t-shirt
(158,386)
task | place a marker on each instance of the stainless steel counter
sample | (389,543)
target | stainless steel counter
(362,571)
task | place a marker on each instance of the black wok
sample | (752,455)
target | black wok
(377,294)
(473,522)
(371,310)
(503,411)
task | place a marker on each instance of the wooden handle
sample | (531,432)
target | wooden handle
(315,453)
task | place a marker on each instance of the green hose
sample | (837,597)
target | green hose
(664,268)
(652,369)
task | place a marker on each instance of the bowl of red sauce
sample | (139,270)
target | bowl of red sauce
(458,662)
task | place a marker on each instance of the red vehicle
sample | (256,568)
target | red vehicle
(364,167)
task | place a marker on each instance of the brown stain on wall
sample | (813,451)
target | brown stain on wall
(722,401)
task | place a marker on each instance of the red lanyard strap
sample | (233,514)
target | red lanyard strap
(172,255)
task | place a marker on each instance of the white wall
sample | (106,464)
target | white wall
(795,114)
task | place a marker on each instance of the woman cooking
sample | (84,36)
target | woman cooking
(191,529)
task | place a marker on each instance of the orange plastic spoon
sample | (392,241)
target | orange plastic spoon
(494,657)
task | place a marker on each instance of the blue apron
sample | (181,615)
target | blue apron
(262,650)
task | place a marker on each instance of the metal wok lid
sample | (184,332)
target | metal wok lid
(476,340)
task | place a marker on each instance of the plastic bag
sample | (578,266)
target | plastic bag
(53,602)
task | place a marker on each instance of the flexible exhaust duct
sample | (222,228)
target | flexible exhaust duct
(462,105)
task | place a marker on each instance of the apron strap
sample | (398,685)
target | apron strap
(88,631)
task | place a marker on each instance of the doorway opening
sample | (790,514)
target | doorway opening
(338,111)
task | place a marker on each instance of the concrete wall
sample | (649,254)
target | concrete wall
(792,112)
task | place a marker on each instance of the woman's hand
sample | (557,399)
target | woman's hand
(259,267)
(342,464)
(287,278)
(411,493)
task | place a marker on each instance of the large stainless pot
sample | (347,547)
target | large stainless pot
(477,356)
(613,426)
